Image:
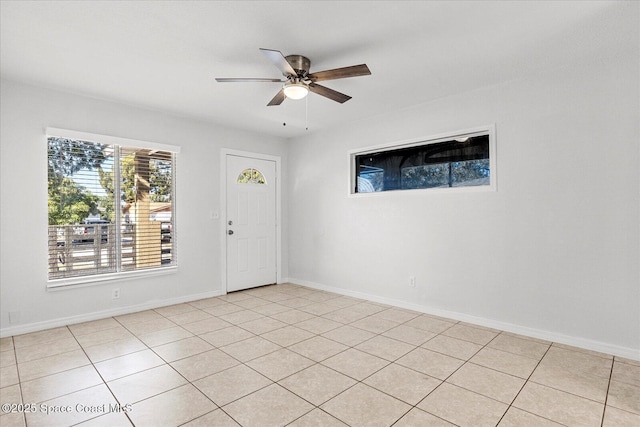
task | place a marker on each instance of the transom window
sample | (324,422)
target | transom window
(111,209)
(459,160)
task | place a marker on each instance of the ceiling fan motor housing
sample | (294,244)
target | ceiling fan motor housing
(300,64)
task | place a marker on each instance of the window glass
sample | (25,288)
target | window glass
(455,162)
(251,176)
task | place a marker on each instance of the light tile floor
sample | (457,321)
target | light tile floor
(289,355)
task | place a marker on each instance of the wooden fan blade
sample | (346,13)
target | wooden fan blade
(329,93)
(281,63)
(240,79)
(340,73)
(278,99)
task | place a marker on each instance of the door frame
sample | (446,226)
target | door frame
(224,152)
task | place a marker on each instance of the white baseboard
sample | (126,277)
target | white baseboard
(584,343)
(63,321)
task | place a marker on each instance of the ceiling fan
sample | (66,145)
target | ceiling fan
(299,82)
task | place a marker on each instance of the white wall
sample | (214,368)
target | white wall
(553,253)
(25,113)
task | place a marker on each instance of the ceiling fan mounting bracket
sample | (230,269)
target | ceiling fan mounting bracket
(301,64)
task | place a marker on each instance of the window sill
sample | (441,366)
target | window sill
(81,282)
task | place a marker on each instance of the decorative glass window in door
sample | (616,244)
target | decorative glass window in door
(251,176)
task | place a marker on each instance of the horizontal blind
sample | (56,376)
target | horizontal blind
(110,208)
(146,183)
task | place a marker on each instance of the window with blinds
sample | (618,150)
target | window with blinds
(111,209)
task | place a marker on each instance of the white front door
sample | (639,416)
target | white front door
(250,222)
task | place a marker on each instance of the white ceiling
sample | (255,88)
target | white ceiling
(165,55)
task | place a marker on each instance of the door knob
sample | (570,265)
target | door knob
(230,232)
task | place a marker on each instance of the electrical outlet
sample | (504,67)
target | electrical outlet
(115,294)
(412,281)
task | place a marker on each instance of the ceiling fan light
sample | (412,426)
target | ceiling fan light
(295,90)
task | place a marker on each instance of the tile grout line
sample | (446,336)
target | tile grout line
(144,370)
(192,382)
(249,367)
(75,391)
(15,354)
(522,388)
(606,396)
(411,407)
(465,361)
(92,365)
(100,375)
(259,373)
(452,373)
(348,347)
(175,370)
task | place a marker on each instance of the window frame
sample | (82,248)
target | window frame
(489,130)
(95,279)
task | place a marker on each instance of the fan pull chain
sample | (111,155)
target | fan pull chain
(306,113)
